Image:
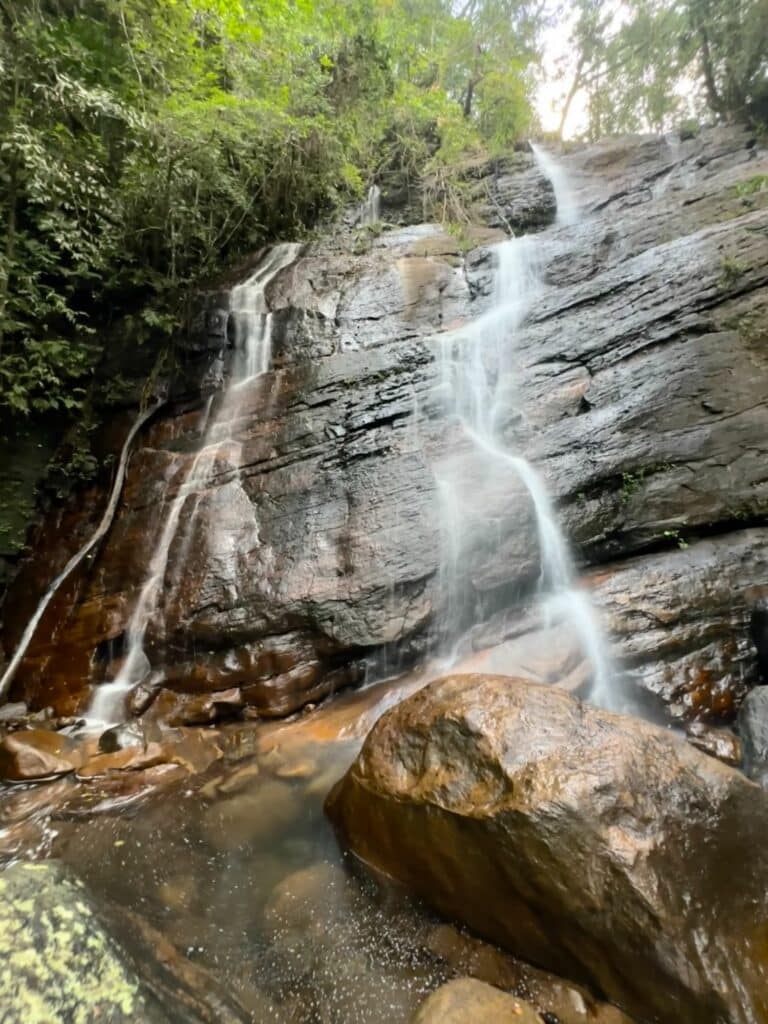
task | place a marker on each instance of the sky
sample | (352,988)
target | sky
(558,68)
(557,74)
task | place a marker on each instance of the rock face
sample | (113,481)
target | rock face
(642,376)
(592,844)
(753,728)
(759,630)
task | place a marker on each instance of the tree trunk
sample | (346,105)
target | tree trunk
(569,98)
(713,97)
(469,96)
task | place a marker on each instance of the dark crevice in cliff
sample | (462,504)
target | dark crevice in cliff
(618,546)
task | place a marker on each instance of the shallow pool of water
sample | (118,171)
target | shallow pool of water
(240,870)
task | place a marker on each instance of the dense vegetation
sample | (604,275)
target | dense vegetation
(147,144)
(648,64)
(144,143)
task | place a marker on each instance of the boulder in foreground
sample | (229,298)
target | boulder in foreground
(598,846)
(467,1001)
(33,755)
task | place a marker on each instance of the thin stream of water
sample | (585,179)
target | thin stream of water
(370,208)
(77,558)
(567,206)
(253,337)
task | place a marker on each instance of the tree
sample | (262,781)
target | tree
(645,63)
(731,41)
(145,144)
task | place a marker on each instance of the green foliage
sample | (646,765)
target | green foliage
(675,536)
(45,376)
(750,187)
(630,483)
(753,328)
(689,128)
(144,144)
(731,270)
(660,64)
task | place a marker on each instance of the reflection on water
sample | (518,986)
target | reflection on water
(233,861)
(240,870)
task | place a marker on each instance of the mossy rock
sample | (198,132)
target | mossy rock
(58,963)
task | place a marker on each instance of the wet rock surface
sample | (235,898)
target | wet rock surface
(552,997)
(719,743)
(36,754)
(595,845)
(58,962)
(61,963)
(758,625)
(642,374)
(467,1001)
(753,728)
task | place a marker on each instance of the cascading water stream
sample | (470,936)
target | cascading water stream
(370,209)
(567,206)
(478,380)
(253,334)
(76,559)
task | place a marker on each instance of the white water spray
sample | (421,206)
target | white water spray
(477,365)
(370,209)
(253,336)
(567,207)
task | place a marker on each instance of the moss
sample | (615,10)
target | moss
(630,483)
(57,962)
(753,329)
(731,271)
(750,187)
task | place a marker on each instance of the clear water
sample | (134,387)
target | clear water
(240,870)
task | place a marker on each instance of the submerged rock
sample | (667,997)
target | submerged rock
(592,844)
(127,759)
(467,1001)
(552,997)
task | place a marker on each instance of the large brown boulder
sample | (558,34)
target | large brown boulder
(467,1001)
(36,754)
(598,846)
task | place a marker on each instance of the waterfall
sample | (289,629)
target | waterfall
(253,334)
(370,210)
(567,207)
(76,559)
(477,376)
